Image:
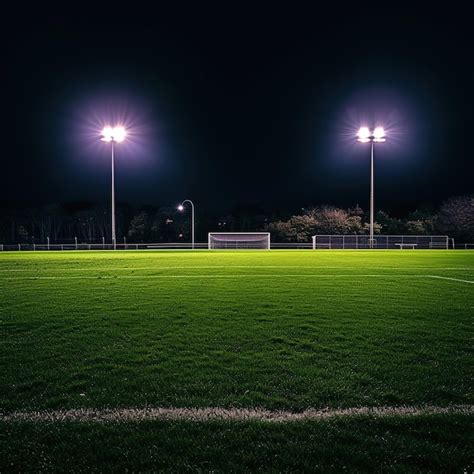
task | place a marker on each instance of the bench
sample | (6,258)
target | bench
(404,245)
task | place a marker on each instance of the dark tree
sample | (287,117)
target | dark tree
(390,225)
(138,227)
(456,218)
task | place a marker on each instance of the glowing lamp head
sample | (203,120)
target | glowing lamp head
(113,134)
(363,135)
(379,134)
(180,208)
(119,134)
(107,134)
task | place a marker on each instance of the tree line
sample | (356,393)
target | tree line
(455,218)
(89,222)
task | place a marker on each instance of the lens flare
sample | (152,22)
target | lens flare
(180,207)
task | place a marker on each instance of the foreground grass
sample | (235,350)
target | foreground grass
(279,330)
(137,329)
(361,444)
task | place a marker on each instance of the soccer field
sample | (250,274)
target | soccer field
(284,360)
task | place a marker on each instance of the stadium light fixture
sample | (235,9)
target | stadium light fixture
(377,135)
(113,135)
(181,209)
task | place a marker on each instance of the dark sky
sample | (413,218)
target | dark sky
(237,106)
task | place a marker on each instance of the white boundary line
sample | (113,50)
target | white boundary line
(452,279)
(226,414)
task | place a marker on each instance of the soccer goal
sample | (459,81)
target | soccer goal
(239,240)
(401,242)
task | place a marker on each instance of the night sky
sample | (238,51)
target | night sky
(238,107)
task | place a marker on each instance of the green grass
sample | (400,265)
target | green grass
(280,330)
(431,444)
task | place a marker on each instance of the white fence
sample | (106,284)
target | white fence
(131,246)
(97,246)
(319,242)
(382,242)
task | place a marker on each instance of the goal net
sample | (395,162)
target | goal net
(239,240)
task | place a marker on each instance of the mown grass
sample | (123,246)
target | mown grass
(280,330)
(430,444)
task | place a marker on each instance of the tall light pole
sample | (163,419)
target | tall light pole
(113,135)
(365,136)
(181,208)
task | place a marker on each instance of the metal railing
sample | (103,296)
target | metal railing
(97,246)
(129,246)
(319,242)
(464,246)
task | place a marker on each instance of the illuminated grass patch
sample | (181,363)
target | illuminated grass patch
(283,330)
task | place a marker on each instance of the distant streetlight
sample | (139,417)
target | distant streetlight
(181,209)
(113,135)
(376,136)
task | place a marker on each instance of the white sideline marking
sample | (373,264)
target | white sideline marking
(227,414)
(452,279)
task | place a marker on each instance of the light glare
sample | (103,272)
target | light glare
(119,134)
(363,134)
(107,134)
(116,134)
(180,207)
(379,133)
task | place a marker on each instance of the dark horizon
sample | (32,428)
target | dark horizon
(235,108)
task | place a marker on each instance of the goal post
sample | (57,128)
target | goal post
(239,240)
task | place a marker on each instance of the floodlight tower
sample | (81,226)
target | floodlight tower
(181,209)
(113,135)
(375,136)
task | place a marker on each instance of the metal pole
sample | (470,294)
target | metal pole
(47,238)
(192,220)
(371,245)
(192,227)
(113,197)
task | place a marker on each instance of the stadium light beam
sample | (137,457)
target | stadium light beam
(113,135)
(377,135)
(181,209)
